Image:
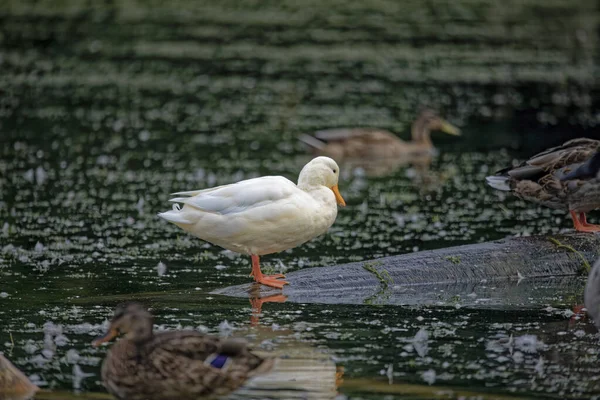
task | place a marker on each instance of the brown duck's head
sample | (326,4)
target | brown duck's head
(427,121)
(130,319)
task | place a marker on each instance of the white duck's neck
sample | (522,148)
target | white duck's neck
(321,193)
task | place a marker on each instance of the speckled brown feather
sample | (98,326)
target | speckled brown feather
(172,365)
(539,178)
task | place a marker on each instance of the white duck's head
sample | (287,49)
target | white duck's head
(321,171)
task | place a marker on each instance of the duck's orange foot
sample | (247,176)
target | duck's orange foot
(272,281)
(581,224)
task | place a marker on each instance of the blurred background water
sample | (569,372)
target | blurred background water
(107,107)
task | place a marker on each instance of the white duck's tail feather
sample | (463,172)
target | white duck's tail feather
(312,141)
(498,182)
(183,200)
(188,194)
(175,216)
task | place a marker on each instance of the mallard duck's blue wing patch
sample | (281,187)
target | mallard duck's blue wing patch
(219,361)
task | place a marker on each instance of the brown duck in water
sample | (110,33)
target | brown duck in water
(14,385)
(563,178)
(349,143)
(172,365)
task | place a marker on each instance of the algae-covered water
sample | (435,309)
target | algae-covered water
(106,108)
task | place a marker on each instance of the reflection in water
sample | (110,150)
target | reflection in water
(382,166)
(301,371)
(256,301)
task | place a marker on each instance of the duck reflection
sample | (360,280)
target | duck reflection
(302,371)
(257,300)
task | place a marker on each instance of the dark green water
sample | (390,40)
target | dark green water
(107,108)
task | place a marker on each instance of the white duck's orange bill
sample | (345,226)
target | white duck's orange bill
(338,196)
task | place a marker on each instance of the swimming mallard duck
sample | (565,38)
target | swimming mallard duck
(563,178)
(349,143)
(174,364)
(263,215)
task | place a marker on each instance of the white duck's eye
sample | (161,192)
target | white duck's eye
(334,171)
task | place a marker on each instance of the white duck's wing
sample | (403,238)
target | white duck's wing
(241,196)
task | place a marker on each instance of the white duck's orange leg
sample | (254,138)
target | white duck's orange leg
(267,280)
(581,224)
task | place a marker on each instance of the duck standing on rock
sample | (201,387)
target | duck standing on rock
(354,143)
(172,365)
(563,177)
(263,215)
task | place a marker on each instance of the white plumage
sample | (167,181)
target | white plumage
(262,215)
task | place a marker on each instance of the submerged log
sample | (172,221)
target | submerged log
(515,266)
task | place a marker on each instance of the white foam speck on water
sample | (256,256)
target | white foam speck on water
(420,343)
(72,356)
(52,329)
(539,367)
(140,205)
(429,376)
(48,354)
(30,347)
(37,380)
(518,357)
(230,254)
(220,267)
(78,376)
(29,175)
(528,343)
(39,247)
(40,175)
(9,249)
(225,329)
(3,295)
(161,268)
(390,373)
(61,340)
(282,266)
(144,135)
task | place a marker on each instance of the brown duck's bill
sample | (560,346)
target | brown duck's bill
(111,334)
(338,196)
(450,129)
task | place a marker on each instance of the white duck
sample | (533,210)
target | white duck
(263,215)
